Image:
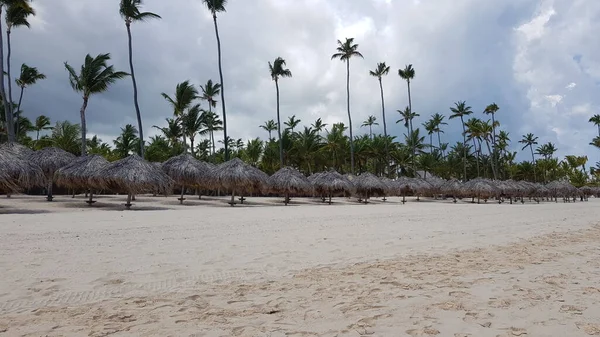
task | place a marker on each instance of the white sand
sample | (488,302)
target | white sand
(385,269)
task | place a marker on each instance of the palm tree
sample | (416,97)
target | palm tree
(381,70)
(405,117)
(269,126)
(473,129)
(345,51)
(371,120)
(277,70)
(66,136)
(460,110)
(318,125)
(292,123)
(218,6)
(438,120)
(595,119)
(596,142)
(185,94)
(491,110)
(530,140)
(95,77)
(17,12)
(130,12)
(212,123)
(29,76)
(408,74)
(192,124)
(430,127)
(172,131)
(41,123)
(126,143)
(209,91)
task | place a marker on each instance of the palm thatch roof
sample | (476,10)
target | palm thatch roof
(50,159)
(133,175)
(22,172)
(237,176)
(480,188)
(407,185)
(7,184)
(393,187)
(186,170)
(332,182)
(452,187)
(288,181)
(367,184)
(17,149)
(562,189)
(77,174)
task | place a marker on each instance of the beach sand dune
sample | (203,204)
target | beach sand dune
(422,269)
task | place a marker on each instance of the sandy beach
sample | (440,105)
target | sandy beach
(429,268)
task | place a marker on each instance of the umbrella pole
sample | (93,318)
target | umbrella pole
(181,199)
(286,200)
(128,204)
(330,198)
(90,197)
(231,203)
(49,197)
(403,198)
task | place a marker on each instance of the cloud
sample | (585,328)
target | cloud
(521,54)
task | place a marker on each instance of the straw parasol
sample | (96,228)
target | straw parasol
(367,185)
(18,170)
(7,184)
(187,171)
(133,175)
(50,159)
(331,182)
(237,176)
(79,172)
(17,149)
(289,181)
(452,187)
(480,188)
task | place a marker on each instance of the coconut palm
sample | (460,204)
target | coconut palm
(211,124)
(292,122)
(429,126)
(382,70)
(127,142)
(172,131)
(438,120)
(596,142)
(460,110)
(209,91)
(371,120)
(218,6)
(595,119)
(491,110)
(41,123)
(408,74)
(17,12)
(65,136)
(405,117)
(345,51)
(29,76)
(130,11)
(318,125)
(185,94)
(192,124)
(277,70)
(95,77)
(269,126)
(530,140)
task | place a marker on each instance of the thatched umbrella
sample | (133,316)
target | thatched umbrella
(18,170)
(331,182)
(393,188)
(133,175)
(452,187)
(367,185)
(78,174)
(237,176)
(7,184)
(480,188)
(289,181)
(17,149)
(187,171)
(407,185)
(50,159)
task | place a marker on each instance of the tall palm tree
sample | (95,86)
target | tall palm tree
(218,6)
(192,124)
(130,12)
(277,70)
(29,76)
(408,74)
(595,119)
(185,94)
(371,120)
(17,12)
(530,140)
(318,125)
(460,110)
(438,120)
(95,77)
(473,130)
(292,122)
(211,123)
(491,110)
(209,91)
(382,70)
(126,143)
(41,123)
(405,117)
(430,127)
(345,51)
(269,126)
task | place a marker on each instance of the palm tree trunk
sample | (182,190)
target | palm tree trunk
(222,88)
(494,147)
(9,81)
(464,150)
(37,135)
(10,128)
(349,116)
(487,143)
(279,127)
(440,143)
(83,126)
(598,130)
(19,111)
(409,106)
(430,142)
(533,162)
(192,145)
(477,152)
(371,131)
(135,91)
(384,128)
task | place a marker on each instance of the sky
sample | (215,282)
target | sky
(539,60)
